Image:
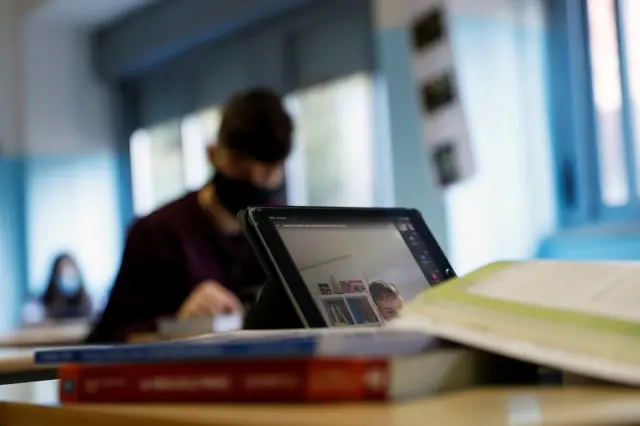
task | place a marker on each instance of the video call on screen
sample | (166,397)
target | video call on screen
(360,273)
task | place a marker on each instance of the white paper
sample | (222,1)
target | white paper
(485,338)
(606,289)
(303,332)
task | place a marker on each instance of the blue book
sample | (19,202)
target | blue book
(251,344)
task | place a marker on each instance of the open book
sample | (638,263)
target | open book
(575,316)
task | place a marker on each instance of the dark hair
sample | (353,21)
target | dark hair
(53,294)
(382,289)
(255,123)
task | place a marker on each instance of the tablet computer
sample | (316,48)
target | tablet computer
(340,267)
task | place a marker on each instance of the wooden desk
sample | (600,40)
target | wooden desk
(42,392)
(60,334)
(506,406)
(16,366)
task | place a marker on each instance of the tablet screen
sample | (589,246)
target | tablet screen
(360,271)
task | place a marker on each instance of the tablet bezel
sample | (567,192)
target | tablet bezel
(276,253)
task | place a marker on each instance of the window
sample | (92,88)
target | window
(198,131)
(157,170)
(595,108)
(333,158)
(79,196)
(631,23)
(607,97)
(331,164)
(319,55)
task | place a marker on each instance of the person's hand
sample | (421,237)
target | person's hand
(210,298)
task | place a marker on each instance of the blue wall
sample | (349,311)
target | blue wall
(13,263)
(73,204)
(55,203)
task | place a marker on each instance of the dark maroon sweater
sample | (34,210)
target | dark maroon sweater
(166,255)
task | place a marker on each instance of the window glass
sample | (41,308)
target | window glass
(605,69)
(198,131)
(72,207)
(331,163)
(631,13)
(334,143)
(157,166)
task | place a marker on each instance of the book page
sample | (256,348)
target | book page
(581,350)
(601,289)
(551,334)
(240,335)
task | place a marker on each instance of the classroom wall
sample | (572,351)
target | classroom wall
(507,207)
(398,128)
(12,255)
(58,168)
(503,211)
(71,161)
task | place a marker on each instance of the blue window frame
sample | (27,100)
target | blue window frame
(594,78)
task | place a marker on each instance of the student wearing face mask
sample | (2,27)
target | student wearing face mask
(65,296)
(190,258)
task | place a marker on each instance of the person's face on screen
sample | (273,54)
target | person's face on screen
(390,307)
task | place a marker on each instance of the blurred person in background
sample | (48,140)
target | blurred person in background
(190,257)
(65,297)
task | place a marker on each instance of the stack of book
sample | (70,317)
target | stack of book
(495,325)
(309,365)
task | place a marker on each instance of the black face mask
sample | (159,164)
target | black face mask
(236,195)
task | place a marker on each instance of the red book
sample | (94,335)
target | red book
(312,379)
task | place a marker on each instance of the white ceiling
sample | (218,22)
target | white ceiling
(87,13)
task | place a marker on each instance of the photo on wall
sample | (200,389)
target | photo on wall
(435,73)
(428,29)
(438,92)
(445,157)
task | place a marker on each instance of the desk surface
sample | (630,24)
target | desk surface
(41,392)
(59,334)
(16,365)
(506,406)
(16,360)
